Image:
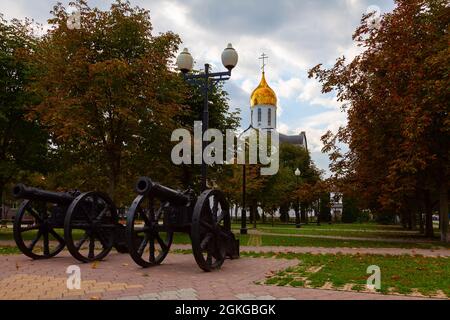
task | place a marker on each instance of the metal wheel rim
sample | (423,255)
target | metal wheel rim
(203,230)
(96,230)
(43,232)
(136,245)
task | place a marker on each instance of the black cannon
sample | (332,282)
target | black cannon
(86,222)
(158,212)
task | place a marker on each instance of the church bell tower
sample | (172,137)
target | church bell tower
(263,103)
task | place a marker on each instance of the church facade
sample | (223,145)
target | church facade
(263,108)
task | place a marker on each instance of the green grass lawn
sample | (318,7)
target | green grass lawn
(325,226)
(346,233)
(337,243)
(399,274)
(9,250)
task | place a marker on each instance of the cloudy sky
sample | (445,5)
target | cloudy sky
(295,34)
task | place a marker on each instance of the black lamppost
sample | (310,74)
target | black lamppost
(185,63)
(244,183)
(244,192)
(297,207)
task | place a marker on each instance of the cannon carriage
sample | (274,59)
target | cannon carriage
(46,222)
(88,224)
(158,212)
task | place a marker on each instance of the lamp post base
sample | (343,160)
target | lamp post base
(244,231)
(298,226)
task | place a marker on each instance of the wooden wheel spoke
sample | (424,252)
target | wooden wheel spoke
(209,258)
(206,225)
(161,242)
(91,247)
(145,218)
(82,241)
(215,207)
(102,239)
(205,241)
(56,235)
(221,217)
(86,213)
(35,214)
(35,240)
(101,214)
(143,245)
(46,243)
(152,249)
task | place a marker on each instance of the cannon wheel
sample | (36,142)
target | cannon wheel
(211,223)
(34,216)
(92,215)
(145,228)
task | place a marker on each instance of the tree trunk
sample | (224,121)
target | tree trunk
(428,215)
(414,217)
(303,213)
(443,210)
(2,207)
(112,185)
(409,219)
(254,211)
(421,225)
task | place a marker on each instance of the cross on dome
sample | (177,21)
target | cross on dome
(263,57)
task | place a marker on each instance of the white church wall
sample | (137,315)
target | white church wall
(264,123)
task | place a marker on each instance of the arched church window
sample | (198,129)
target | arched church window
(259,114)
(269,117)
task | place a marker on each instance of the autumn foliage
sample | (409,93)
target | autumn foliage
(396,95)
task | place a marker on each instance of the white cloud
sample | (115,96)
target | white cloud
(317,125)
(296,35)
(312,93)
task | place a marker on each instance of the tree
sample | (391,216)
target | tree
(23,143)
(396,98)
(108,95)
(220,118)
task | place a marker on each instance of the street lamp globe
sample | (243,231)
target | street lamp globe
(298,172)
(229,57)
(185,62)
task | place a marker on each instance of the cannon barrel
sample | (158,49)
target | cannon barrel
(21,191)
(146,186)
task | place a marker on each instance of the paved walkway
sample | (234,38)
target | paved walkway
(318,250)
(177,278)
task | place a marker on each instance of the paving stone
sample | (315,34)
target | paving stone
(129,298)
(177,278)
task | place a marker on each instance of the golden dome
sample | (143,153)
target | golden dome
(263,94)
